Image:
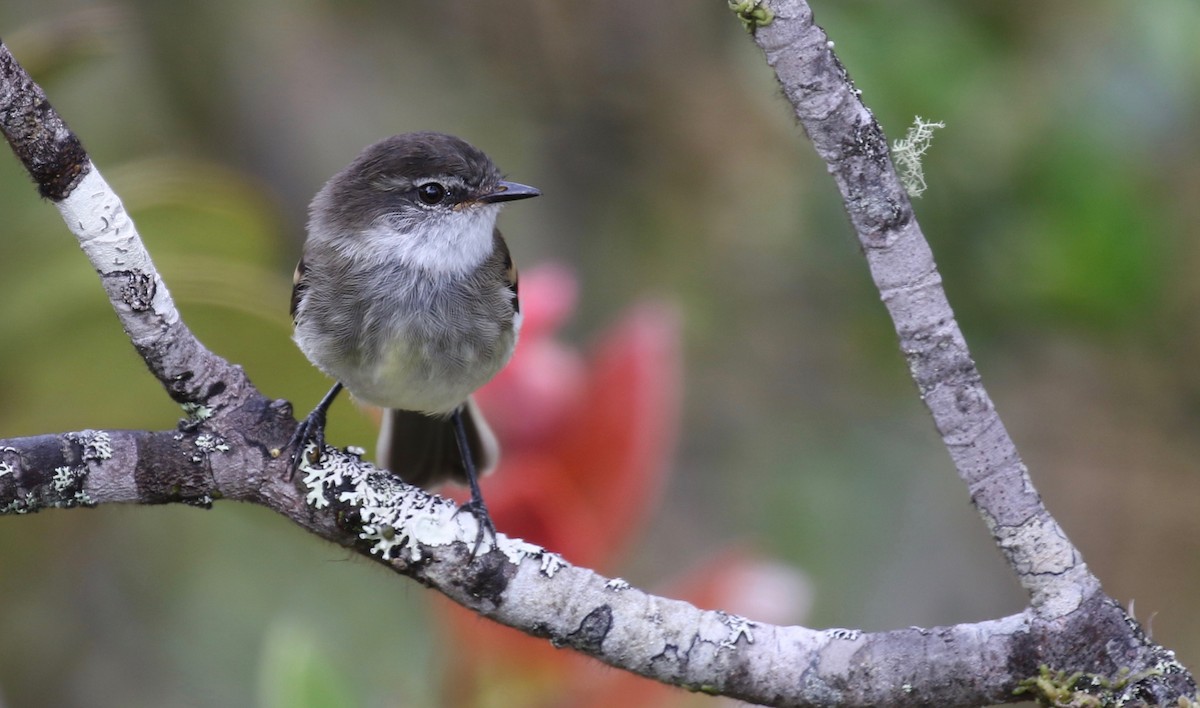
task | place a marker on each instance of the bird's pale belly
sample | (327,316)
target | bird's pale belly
(427,378)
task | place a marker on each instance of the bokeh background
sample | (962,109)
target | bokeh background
(1062,208)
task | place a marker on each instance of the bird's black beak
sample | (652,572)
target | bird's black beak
(508,192)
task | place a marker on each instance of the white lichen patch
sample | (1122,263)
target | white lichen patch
(6,468)
(393,519)
(207,444)
(518,550)
(616,585)
(96,444)
(398,522)
(387,541)
(332,473)
(437,531)
(316,497)
(64,491)
(739,628)
(64,477)
(849,635)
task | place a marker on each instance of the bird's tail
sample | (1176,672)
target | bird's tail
(422,449)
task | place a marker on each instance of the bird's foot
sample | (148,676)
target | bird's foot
(310,430)
(483,520)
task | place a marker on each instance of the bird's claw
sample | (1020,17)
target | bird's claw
(310,430)
(483,519)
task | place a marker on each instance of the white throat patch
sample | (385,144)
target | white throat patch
(452,243)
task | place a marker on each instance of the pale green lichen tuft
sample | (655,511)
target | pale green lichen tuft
(194,415)
(16,506)
(96,444)
(1058,689)
(908,151)
(752,13)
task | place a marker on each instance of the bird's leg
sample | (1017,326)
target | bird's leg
(312,429)
(475,505)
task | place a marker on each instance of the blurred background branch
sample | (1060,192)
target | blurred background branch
(1070,158)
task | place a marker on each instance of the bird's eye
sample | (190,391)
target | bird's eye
(431,193)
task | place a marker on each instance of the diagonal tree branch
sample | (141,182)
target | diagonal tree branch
(847,136)
(851,142)
(228,447)
(60,167)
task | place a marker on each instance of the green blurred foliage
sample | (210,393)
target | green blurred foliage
(295,674)
(1061,208)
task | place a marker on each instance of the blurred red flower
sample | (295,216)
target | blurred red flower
(586,446)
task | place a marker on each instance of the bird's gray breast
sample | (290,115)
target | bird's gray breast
(405,338)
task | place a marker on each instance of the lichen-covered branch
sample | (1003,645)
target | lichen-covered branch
(351,503)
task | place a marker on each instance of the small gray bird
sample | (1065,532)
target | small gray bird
(407,296)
